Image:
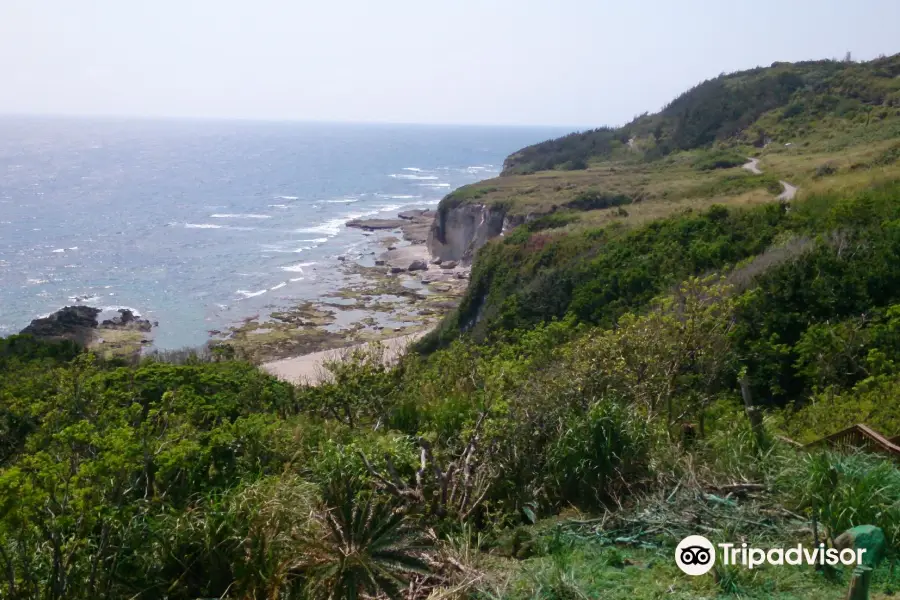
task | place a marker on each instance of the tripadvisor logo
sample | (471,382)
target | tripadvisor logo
(696,555)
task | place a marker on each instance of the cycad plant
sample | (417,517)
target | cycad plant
(370,548)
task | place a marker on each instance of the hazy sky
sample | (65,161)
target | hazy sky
(566,62)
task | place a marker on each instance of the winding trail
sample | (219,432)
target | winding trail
(789,191)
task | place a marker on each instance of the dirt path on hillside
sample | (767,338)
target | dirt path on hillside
(310,368)
(789,191)
(753,166)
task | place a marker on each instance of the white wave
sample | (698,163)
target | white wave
(213,226)
(118,307)
(417,170)
(389,207)
(414,177)
(201,226)
(329,228)
(245,294)
(74,248)
(398,196)
(36,281)
(288,197)
(347,200)
(297,268)
(296,279)
(314,241)
(435,185)
(278,206)
(239,216)
(58,250)
(278,287)
(84,299)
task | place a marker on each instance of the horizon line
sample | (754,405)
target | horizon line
(86,116)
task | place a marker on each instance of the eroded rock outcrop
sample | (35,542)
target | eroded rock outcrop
(126,330)
(457,233)
(67,322)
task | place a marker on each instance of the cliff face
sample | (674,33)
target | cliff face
(457,233)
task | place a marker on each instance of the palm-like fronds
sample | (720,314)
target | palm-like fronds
(369,549)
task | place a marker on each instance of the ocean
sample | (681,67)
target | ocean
(199,224)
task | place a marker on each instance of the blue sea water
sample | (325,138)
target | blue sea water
(198,224)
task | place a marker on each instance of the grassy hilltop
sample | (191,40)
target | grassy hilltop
(839,119)
(577,416)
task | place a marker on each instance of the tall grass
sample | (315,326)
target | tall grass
(845,490)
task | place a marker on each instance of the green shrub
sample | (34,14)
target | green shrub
(846,490)
(551,221)
(720,159)
(595,200)
(825,170)
(597,455)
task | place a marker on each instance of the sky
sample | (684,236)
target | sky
(581,63)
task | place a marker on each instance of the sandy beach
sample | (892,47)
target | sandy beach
(430,291)
(309,369)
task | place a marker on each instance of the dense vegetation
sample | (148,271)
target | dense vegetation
(211,479)
(604,389)
(725,108)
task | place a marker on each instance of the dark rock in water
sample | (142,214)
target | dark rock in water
(379,263)
(127,320)
(397,269)
(66,322)
(410,215)
(418,265)
(392,247)
(375,224)
(449,264)
(462,275)
(342,258)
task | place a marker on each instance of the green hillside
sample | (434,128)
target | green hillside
(726,110)
(638,362)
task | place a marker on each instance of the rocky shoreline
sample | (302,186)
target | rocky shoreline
(399,290)
(396,290)
(122,336)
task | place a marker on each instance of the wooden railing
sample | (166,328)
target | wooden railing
(860,437)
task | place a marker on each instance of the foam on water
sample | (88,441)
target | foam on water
(239,216)
(331,228)
(116,308)
(278,287)
(297,268)
(414,177)
(244,294)
(199,226)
